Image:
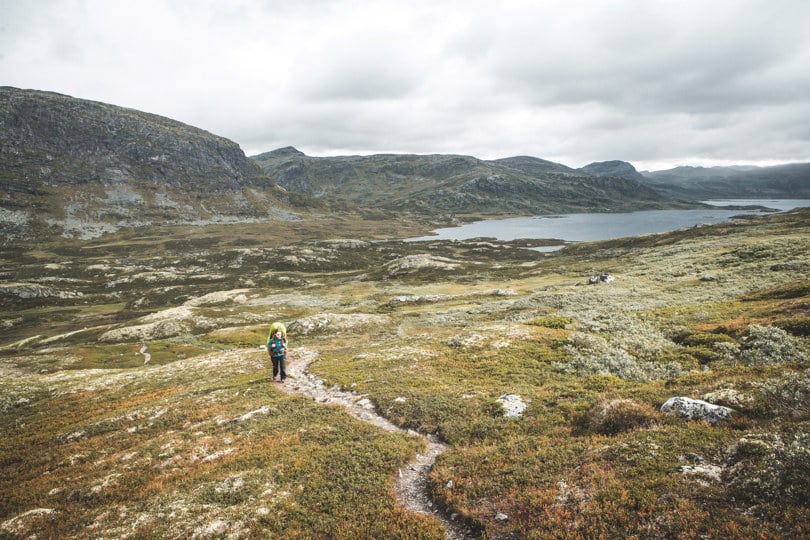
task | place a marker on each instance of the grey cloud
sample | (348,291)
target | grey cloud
(574,81)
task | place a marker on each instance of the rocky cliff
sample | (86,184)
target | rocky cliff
(82,168)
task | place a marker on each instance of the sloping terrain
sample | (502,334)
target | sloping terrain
(447,184)
(82,168)
(99,440)
(790,181)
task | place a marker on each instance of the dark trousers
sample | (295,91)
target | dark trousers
(279,366)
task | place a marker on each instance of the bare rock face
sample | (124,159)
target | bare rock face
(696,409)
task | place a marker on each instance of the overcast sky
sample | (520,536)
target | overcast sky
(656,83)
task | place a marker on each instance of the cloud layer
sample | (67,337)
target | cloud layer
(657,83)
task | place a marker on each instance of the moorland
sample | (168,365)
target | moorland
(198,442)
(437,389)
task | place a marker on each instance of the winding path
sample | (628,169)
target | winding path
(411,484)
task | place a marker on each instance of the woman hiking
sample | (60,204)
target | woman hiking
(277,347)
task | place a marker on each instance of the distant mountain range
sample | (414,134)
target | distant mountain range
(455,184)
(82,168)
(700,183)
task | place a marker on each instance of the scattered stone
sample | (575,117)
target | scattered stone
(216,455)
(693,458)
(365,403)
(345,243)
(33,290)
(696,409)
(75,436)
(414,263)
(730,397)
(413,299)
(503,292)
(263,411)
(215,529)
(149,332)
(708,472)
(19,524)
(336,322)
(219,297)
(513,405)
(600,278)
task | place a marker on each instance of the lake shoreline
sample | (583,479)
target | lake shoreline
(583,227)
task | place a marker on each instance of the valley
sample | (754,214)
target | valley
(198,442)
(652,386)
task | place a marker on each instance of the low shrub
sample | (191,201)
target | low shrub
(788,394)
(558,321)
(764,345)
(617,415)
(593,355)
(798,325)
(764,468)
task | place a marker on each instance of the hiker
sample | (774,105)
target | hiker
(277,347)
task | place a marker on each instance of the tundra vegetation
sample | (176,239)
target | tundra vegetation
(135,401)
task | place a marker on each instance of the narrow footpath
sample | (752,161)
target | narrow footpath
(411,482)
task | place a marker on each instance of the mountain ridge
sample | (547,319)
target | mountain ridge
(791,180)
(449,183)
(82,168)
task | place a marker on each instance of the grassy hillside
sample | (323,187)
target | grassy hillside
(199,443)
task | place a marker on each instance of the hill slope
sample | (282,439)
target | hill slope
(453,183)
(86,167)
(780,181)
(620,169)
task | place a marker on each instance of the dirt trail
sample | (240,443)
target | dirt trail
(411,483)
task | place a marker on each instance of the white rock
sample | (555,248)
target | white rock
(18,524)
(711,472)
(215,529)
(696,409)
(513,405)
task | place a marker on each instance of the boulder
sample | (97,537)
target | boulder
(513,405)
(696,409)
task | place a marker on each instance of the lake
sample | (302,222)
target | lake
(590,227)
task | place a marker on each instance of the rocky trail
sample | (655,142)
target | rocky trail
(411,483)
